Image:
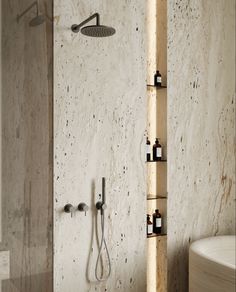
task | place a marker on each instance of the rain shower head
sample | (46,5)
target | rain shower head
(98,30)
(93,30)
(38,19)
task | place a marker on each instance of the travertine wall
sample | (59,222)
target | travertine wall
(201,127)
(100,120)
(26,115)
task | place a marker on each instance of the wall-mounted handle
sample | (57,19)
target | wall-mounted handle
(101,206)
(69,209)
(82,207)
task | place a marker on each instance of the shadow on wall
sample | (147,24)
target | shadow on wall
(26,100)
(29,283)
(179,254)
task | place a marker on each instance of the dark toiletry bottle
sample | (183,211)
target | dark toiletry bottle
(149,225)
(157,222)
(157,78)
(157,151)
(148,149)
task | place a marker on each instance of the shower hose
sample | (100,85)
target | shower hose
(103,242)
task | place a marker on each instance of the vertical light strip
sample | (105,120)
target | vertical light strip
(151,40)
(151,129)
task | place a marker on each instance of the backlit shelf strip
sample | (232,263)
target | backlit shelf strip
(163,160)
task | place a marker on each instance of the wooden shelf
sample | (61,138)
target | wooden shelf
(163,160)
(156,235)
(159,197)
(157,87)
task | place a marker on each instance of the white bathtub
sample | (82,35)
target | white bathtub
(212,264)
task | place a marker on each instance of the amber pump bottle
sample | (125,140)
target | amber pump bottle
(149,225)
(148,149)
(157,79)
(157,151)
(157,222)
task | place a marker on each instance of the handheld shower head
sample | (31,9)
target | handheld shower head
(101,205)
(93,30)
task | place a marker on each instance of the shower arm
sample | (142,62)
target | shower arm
(77,27)
(35,3)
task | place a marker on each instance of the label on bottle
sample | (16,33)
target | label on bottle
(148,149)
(149,229)
(158,79)
(159,152)
(158,222)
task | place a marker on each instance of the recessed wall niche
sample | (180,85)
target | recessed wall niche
(157,128)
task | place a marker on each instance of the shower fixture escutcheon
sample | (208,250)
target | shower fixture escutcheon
(68,208)
(82,207)
(97,30)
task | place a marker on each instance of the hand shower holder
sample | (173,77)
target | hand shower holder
(101,205)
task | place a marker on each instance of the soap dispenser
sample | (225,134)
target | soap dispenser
(157,79)
(157,151)
(148,149)
(149,225)
(157,222)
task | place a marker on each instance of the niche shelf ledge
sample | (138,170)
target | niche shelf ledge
(163,160)
(158,197)
(156,235)
(156,87)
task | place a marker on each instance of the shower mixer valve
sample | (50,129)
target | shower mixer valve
(82,207)
(69,209)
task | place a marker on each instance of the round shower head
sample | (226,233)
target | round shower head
(98,31)
(39,19)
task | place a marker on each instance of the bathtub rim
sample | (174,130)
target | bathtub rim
(195,248)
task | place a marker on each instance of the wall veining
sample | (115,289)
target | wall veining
(100,120)
(201,127)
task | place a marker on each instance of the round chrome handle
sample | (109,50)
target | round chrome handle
(101,206)
(82,207)
(68,208)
